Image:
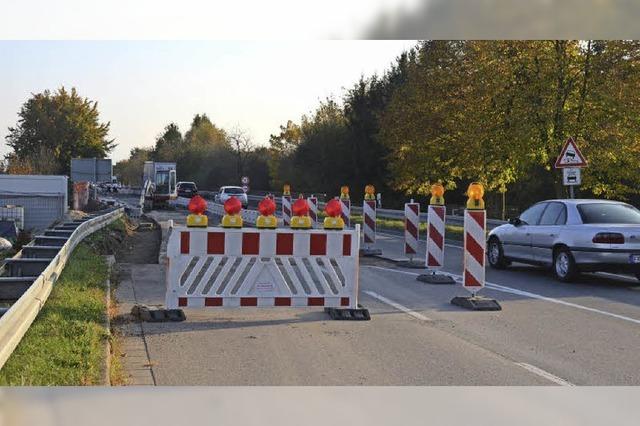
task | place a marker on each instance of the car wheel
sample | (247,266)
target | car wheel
(496,254)
(564,266)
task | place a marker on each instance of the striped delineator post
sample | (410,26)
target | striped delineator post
(435,237)
(411,229)
(313,210)
(475,224)
(346,211)
(369,222)
(286,210)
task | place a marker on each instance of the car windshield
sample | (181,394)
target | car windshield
(187,185)
(234,191)
(609,213)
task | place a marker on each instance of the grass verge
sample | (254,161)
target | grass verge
(65,344)
(452,232)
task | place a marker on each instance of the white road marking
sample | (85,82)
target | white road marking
(397,306)
(531,368)
(540,372)
(505,289)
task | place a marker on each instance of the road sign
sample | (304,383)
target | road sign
(245,188)
(571,176)
(245,180)
(570,156)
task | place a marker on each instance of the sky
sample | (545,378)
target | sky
(141,86)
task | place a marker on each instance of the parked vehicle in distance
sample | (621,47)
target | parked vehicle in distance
(186,189)
(570,236)
(227,192)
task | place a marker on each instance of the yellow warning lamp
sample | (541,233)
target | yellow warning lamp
(267,220)
(369,192)
(287,189)
(197,219)
(344,192)
(300,218)
(334,220)
(475,192)
(437,195)
(232,219)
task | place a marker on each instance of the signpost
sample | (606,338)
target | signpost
(571,161)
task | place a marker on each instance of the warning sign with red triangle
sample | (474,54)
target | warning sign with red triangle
(570,156)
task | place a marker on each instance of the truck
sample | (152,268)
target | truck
(159,183)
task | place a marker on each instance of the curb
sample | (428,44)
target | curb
(110,260)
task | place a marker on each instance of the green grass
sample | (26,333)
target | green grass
(452,232)
(65,344)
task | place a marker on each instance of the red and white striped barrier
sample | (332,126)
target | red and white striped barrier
(435,237)
(369,221)
(286,210)
(475,223)
(313,210)
(411,228)
(218,267)
(345,203)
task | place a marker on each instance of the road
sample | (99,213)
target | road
(548,333)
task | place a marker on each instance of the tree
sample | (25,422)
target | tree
(168,144)
(130,170)
(62,124)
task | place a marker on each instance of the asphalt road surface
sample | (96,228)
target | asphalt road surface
(548,333)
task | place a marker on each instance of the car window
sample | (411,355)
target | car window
(562,218)
(234,191)
(552,213)
(531,216)
(609,213)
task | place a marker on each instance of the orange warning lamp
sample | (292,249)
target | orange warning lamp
(437,195)
(197,206)
(369,192)
(475,192)
(334,220)
(232,219)
(267,208)
(344,192)
(286,189)
(300,210)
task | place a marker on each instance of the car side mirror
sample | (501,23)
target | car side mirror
(515,221)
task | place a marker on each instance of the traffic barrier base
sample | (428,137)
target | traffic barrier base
(356,314)
(433,277)
(370,251)
(476,303)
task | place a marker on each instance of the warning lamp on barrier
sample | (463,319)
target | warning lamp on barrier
(232,218)
(437,195)
(267,220)
(344,192)
(333,210)
(197,206)
(475,192)
(369,192)
(286,190)
(300,219)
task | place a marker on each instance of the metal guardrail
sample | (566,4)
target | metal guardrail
(399,214)
(18,318)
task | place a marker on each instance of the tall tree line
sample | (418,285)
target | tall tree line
(493,111)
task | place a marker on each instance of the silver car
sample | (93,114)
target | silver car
(227,192)
(570,236)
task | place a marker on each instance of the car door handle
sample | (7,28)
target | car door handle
(552,235)
(527,234)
